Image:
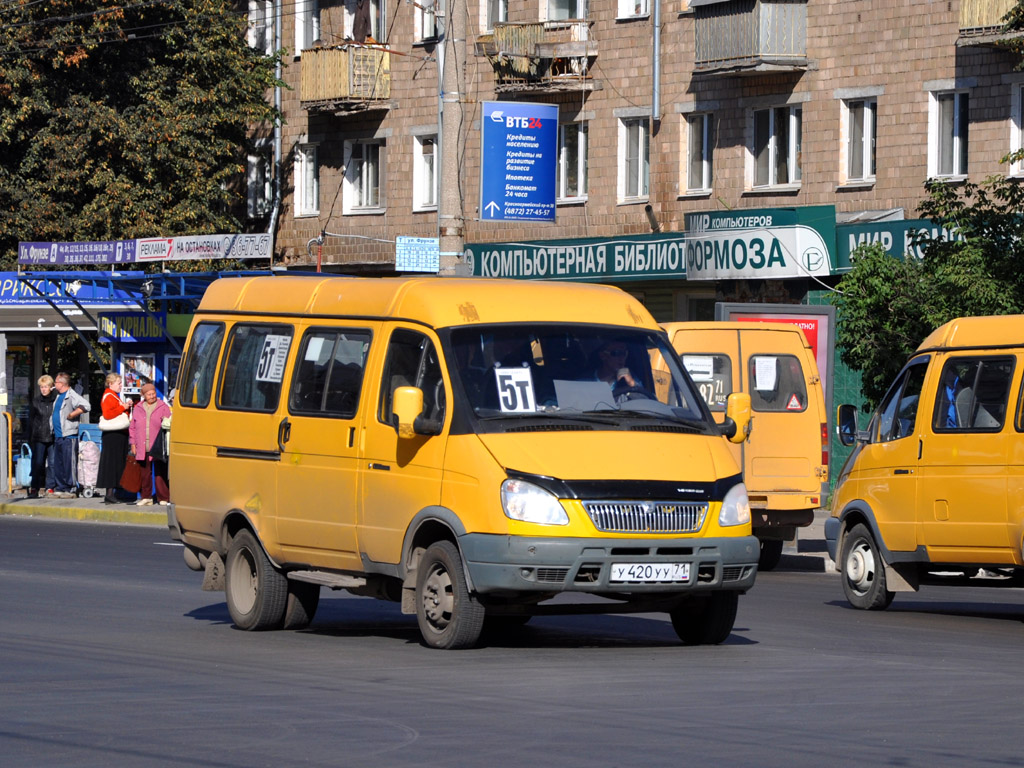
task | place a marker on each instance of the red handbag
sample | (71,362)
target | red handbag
(131,478)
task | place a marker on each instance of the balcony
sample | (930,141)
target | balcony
(981,23)
(750,37)
(345,79)
(540,57)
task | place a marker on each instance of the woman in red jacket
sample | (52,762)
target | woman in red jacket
(115,441)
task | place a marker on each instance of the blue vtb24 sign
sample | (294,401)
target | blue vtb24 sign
(520,153)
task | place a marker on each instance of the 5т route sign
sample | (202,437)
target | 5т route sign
(519,158)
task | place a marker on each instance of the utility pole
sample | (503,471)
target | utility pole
(451,223)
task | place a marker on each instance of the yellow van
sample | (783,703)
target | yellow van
(454,445)
(932,492)
(785,459)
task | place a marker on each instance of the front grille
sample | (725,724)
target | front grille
(646,516)
(552,575)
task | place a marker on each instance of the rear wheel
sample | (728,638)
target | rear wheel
(771,554)
(864,571)
(448,616)
(705,620)
(256,592)
(301,605)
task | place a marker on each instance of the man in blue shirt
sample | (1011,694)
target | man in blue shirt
(67,409)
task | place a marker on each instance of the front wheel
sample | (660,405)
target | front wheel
(705,620)
(448,616)
(864,571)
(256,592)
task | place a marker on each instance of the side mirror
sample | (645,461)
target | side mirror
(738,423)
(407,404)
(846,424)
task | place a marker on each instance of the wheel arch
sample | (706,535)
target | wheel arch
(859,511)
(235,521)
(429,525)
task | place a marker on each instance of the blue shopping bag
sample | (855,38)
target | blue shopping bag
(23,469)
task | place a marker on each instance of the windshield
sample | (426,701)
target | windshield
(553,371)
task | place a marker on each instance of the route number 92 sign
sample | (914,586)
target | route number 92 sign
(515,390)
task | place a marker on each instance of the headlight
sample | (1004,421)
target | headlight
(735,507)
(531,504)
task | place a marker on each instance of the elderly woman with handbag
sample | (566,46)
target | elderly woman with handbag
(114,423)
(145,432)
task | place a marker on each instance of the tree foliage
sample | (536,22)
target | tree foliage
(975,266)
(124,118)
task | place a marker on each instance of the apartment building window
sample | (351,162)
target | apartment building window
(861,128)
(425,21)
(634,149)
(363,19)
(698,153)
(307,24)
(307,181)
(364,176)
(261,26)
(1017,127)
(258,176)
(776,147)
(572,161)
(424,173)
(497,12)
(560,10)
(629,8)
(948,133)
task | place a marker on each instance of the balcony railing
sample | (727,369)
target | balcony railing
(345,78)
(981,22)
(540,56)
(750,36)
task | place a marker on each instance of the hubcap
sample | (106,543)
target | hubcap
(860,566)
(437,599)
(244,582)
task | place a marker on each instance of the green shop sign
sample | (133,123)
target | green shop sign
(768,243)
(635,257)
(896,237)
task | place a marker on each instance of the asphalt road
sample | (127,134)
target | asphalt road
(111,655)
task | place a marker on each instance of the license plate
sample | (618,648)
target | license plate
(635,573)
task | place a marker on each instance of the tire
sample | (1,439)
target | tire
(301,604)
(256,592)
(448,616)
(863,571)
(706,620)
(771,554)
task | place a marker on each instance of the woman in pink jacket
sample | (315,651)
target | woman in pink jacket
(144,431)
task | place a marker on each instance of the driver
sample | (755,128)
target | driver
(611,366)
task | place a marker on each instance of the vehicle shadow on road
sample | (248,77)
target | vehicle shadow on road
(361,617)
(1003,611)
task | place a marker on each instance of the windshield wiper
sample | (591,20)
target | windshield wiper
(586,417)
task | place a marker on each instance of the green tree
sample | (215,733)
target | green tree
(125,119)
(888,305)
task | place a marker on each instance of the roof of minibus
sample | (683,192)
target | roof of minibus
(736,325)
(977,332)
(435,301)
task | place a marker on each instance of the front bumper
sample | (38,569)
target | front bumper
(516,564)
(832,536)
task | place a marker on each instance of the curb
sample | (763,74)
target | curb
(111,514)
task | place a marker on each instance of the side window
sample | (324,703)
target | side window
(897,415)
(777,383)
(254,367)
(412,361)
(713,376)
(972,395)
(329,373)
(201,365)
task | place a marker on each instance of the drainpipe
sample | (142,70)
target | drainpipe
(275,206)
(656,64)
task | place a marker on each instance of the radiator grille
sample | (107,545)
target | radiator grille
(646,516)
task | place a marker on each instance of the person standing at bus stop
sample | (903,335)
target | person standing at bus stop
(68,408)
(115,441)
(40,428)
(145,430)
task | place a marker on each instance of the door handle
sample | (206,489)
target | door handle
(903,471)
(284,433)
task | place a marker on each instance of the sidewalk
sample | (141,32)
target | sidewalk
(81,509)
